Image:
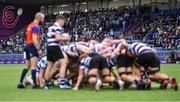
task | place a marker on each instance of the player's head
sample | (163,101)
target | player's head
(60,19)
(39,17)
(107,42)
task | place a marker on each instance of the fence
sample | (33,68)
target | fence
(19,58)
(11,58)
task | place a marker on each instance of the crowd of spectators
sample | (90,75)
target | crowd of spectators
(94,24)
(97,24)
(161,31)
(14,44)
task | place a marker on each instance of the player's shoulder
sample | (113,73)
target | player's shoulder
(44,58)
(33,24)
(140,43)
(56,26)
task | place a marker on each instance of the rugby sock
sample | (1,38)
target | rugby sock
(62,80)
(33,73)
(135,82)
(46,83)
(24,72)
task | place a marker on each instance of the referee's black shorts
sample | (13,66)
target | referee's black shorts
(54,53)
(30,51)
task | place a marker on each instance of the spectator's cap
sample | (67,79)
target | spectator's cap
(60,17)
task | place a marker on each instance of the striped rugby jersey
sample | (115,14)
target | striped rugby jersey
(111,61)
(52,31)
(84,63)
(72,48)
(42,64)
(138,48)
(97,48)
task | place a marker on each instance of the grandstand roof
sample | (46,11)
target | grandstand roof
(42,2)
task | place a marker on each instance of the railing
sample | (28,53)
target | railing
(11,58)
(175,11)
(19,58)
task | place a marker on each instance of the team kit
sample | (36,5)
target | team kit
(111,62)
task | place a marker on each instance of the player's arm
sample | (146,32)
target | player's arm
(80,78)
(83,43)
(83,49)
(83,56)
(107,52)
(154,51)
(116,51)
(41,77)
(106,55)
(116,41)
(107,49)
(35,38)
(59,36)
(137,71)
(70,53)
(115,73)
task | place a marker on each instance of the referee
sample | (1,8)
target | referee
(32,49)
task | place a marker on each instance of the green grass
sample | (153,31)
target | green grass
(9,76)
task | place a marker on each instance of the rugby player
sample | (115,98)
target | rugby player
(40,71)
(147,60)
(98,63)
(32,49)
(41,66)
(124,64)
(54,52)
(75,52)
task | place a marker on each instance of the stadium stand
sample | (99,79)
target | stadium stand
(160,30)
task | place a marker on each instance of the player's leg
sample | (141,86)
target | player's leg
(154,73)
(73,69)
(34,57)
(29,81)
(94,79)
(41,78)
(33,62)
(164,79)
(93,75)
(25,69)
(79,79)
(51,53)
(55,71)
(154,68)
(130,78)
(59,57)
(124,69)
(107,78)
(140,68)
(47,73)
(125,76)
(63,82)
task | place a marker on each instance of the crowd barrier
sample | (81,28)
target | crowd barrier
(19,58)
(11,58)
(175,11)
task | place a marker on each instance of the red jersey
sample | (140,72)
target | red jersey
(32,28)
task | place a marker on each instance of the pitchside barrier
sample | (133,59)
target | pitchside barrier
(19,58)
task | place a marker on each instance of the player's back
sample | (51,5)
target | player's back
(138,48)
(32,27)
